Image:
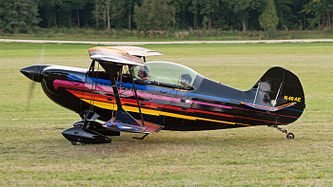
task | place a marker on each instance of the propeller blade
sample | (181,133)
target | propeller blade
(34,76)
(41,60)
(31,93)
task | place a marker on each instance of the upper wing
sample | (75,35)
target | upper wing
(138,51)
(126,55)
(113,55)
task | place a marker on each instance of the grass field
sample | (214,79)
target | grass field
(34,153)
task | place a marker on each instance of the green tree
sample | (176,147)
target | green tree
(18,15)
(195,9)
(183,14)
(112,14)
(268,20)
(291,14)
(209,10)
(76,7)
(154,15)
(130,9)
(322,11)
(50,11)
(242,9)
(285,14)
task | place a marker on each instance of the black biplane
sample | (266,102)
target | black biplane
(121,92)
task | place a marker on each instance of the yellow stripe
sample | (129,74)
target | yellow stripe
(111,106)
(218,121)
(135,109)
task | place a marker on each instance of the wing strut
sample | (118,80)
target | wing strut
(122,115)
(124,122)
(136,95)
(137,100)
(111,70)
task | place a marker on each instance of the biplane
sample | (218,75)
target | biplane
(122,92)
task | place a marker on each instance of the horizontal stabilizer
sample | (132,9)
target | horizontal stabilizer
(269,108)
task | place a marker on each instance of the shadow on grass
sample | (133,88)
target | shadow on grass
(163,139)
(49,145)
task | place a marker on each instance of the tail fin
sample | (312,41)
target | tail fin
(277,89)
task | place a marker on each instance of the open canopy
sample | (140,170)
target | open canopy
(126,55)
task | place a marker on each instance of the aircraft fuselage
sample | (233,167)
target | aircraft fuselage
(210,105)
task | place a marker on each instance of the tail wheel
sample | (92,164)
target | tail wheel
(290,135)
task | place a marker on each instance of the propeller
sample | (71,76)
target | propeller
(34,73)
(31,93)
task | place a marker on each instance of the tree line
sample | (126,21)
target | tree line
(160,15)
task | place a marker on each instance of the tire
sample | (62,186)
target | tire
(290,135)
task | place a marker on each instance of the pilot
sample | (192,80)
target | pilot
(143,73)
(185,80)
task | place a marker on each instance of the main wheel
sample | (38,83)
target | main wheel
(290,135)
(75,143)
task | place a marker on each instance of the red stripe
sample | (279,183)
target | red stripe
(212,113)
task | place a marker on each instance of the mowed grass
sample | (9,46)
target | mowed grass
(34,153)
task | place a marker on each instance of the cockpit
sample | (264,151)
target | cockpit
(159,73)
(166,74)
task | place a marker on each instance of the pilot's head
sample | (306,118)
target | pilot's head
(143,72)
(185,80)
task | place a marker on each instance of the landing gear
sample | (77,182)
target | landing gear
(86,132)
(97,127)
(81,136)
(77,143)
(290,135)
(140,138)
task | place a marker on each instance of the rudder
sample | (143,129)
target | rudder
(277,89)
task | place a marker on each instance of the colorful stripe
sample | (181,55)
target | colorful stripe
(102,98)
(157,113)
(155,89)
(107,90)
(87,97)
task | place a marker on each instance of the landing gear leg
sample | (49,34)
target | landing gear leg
(290,135)
(143,137)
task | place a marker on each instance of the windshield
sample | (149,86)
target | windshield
(167,73)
